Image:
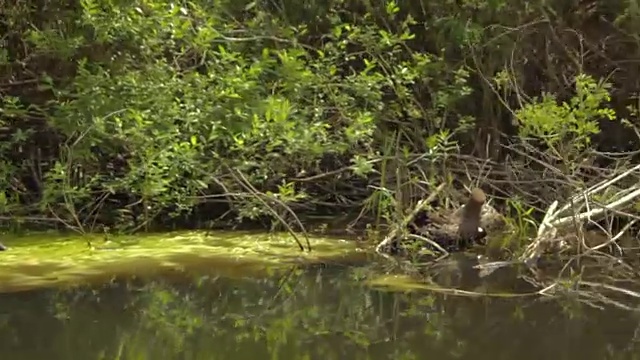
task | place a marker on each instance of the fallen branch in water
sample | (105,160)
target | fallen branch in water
(393,234)
(554,220)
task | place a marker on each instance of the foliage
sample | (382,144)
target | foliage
(137,114)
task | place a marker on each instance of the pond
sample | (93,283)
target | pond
(322,310)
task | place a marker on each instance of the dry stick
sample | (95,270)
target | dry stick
(421,204)
(33,218)
(613,239)
(215,196)
(147,221)
(546,289)
(608,301)
(96,208)
(227,195)
(224,188)
(600,186)
(427,240)
(550,223)
(612,288)
(67,182)
(286,207)
(69,149)
(548,216)
(595,212)
(244,183)
(58,218)
(335,172)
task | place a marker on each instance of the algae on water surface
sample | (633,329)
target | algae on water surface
(37,261)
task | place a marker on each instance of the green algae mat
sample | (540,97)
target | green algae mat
(39,261)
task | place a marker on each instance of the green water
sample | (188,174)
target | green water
(191,295)
(305,312)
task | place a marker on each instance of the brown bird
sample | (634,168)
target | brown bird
(469,228)
(455,231)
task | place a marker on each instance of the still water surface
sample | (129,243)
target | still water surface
(319,312)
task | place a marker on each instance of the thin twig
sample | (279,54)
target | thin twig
(258,195)
(419,206)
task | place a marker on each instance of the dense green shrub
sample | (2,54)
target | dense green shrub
(157,108)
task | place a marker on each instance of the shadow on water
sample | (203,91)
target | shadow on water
(313,312)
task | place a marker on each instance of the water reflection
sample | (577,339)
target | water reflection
(314,313)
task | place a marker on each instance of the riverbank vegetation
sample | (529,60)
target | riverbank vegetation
(128,116)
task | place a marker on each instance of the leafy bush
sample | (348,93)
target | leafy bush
(157,108)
